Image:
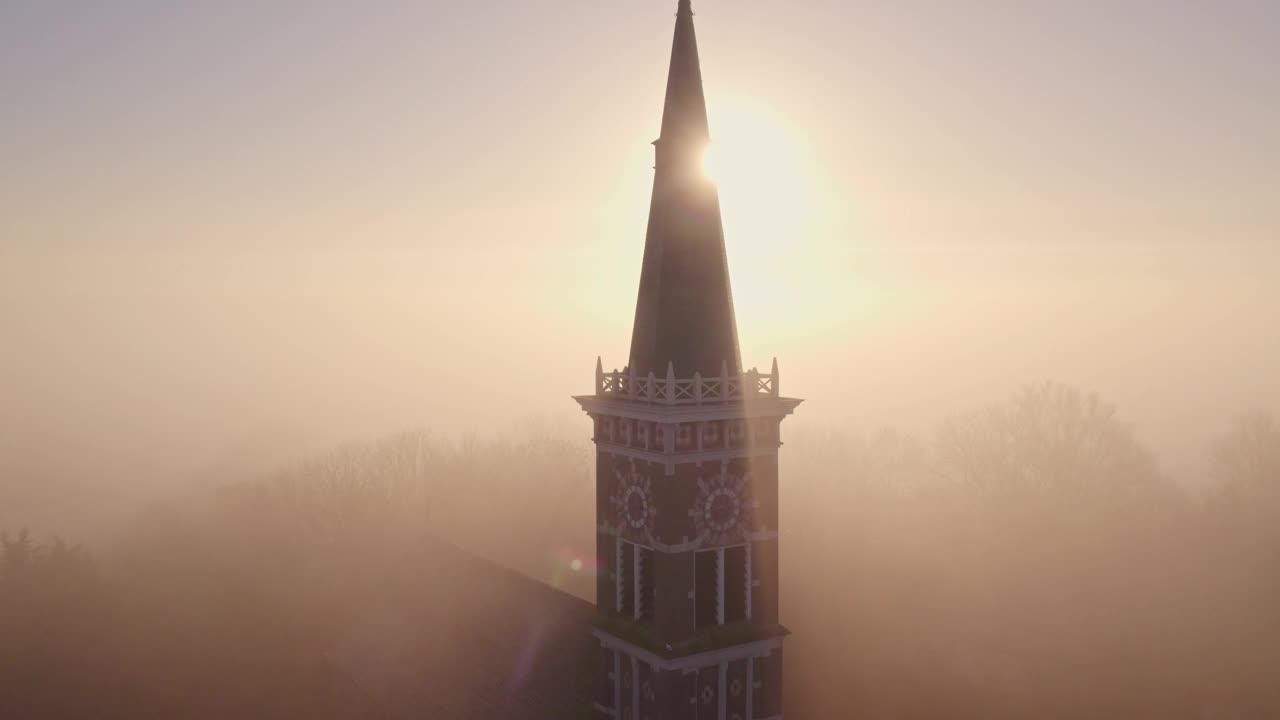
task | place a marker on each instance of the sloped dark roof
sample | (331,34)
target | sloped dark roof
(684,311)
(461,637)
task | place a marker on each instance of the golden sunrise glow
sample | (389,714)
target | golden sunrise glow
(711,162)
(762,169)
(768,188)
(441,359)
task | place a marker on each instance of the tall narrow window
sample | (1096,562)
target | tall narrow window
(646,594)
(722,579)
(735,584)
(637,590)
(626,579)
(706,589)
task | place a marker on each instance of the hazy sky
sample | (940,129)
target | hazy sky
(224,222)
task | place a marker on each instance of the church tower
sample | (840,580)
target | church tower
(687,447)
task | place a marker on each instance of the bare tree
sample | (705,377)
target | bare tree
(1246,460)
(1049,439)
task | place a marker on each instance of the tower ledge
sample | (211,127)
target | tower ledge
(724,642)
(669,399)
(696,390)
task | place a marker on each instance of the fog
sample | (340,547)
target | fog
(329,278)
(224,233)
(1028,559)
(157,370)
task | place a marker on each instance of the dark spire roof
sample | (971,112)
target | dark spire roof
(684,313)
(685,114)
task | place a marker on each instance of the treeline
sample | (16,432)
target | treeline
(322,591)
(1030,560)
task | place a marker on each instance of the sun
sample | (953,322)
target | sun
(761,167)
(765,175)
(711,163)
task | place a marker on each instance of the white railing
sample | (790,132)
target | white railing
(697,390)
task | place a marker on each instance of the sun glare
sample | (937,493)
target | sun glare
(767,184)
(762,170)
(711,163)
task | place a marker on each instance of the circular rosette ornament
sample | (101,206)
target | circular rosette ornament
(633,502)
(721,509)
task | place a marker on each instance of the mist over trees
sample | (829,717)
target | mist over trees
(1032,562)
(1028,560)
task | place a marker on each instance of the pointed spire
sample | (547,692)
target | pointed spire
(684,119)
(684,313)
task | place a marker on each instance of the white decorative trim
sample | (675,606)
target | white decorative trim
(670,390)
(751,687)
(762,536)
(669,462)
(635,687)
(617,569)
(767,407)
(652,543)
(603,709)
(758,648)
(737,490)
(724,699)
(688,546)
(631,483)
(719,585)
(637,594)
(617,681)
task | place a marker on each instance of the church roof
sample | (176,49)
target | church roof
(461,636)
(684,312)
